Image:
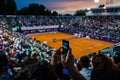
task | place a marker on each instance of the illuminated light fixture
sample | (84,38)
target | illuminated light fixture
(88,9)
(104,7)
(96,1)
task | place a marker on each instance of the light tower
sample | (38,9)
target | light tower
(97,2)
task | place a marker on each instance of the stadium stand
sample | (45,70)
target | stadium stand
(25,58)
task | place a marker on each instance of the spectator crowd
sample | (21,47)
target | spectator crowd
(98,27)
(105,28)
(25,58)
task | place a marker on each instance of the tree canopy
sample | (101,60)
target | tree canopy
(36,9)
(80,13)
(8,7)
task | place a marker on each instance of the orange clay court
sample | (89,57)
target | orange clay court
(80,46)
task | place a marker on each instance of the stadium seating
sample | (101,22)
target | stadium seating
(31,58)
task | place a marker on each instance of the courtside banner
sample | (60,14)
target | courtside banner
(39,30)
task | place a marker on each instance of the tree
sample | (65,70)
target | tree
(42,9)
(80,13)
(54,13)
(11,7)
(2,6)
(7,7)
(68,15)
(47,12)
(24,11)
(60,14)
(34,9)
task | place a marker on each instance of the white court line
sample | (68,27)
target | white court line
(92,47)
(85,48)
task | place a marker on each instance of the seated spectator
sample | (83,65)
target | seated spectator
(45,71)
(39,71)
(85,63)
(5,72)
(116,60)
(104,69)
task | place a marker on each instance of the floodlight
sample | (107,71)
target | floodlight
(104,7)
(88,9)
(96,1)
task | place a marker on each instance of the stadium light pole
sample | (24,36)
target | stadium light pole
(97,2)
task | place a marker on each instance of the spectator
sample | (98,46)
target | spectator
(116,59)
(5,72)
(42,70)
(104,69)
(79,68)
(39,71)
(67,62)
(85,63)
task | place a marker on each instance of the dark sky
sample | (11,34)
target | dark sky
(62,5)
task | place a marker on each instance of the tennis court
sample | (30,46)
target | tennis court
(80,46)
